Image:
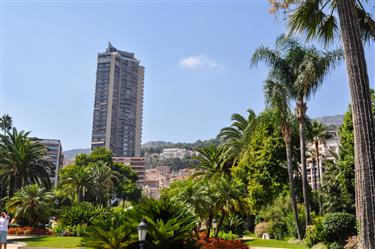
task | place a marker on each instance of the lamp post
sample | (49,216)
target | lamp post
(142,232)
(214,225)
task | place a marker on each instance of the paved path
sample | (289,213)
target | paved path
(14,245)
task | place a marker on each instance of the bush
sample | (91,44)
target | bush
(320,245)
(335,245)
(234,224)
(314,233)
(226,236)
(213,243)
(338,227)
(80,214)
(28,231)
(281,219)
(262,228)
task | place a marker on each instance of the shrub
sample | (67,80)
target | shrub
(335,245)
(262,228)
(320,245)
(213,243)
(278,229)
(314,233)
(226,236)
(28,231)
(234,224)
(77,230)
(352,243)
(80,213)
(337,227)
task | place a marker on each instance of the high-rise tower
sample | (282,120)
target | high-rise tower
(118,106)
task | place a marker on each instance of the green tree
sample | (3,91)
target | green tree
(104,179)
(30,205)
(235,137)
(23,160)
(78,180)
(6,123)
(303,69)
(277,96)
(317,19)
(261,168)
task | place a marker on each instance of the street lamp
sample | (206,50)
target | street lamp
(142,232)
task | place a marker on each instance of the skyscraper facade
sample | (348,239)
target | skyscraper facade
(118,107)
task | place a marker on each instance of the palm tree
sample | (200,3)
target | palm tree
(6,122)
(236,136)
(229,195)
(79,179)
(212,162)
(113,232)
(23,160)
(317,19)
(318,135)
(303,69)
(277,97)
(105,179)
(30,205)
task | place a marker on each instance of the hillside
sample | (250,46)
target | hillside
(70,154)
(157,146)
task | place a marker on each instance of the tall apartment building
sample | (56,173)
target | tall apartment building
(136,163)
(118,106)
(327,152)
(54,155)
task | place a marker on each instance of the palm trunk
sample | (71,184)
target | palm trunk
(208,225)
(301,110)
(313,171)
(220,224)
(11,186)
(288,145)
(17,182)
(363,122)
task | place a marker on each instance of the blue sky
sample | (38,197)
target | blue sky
(196,56)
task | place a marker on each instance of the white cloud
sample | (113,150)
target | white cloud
(201,61)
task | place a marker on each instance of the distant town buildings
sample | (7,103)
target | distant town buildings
(327,152)
(161,177)
(137,164)
(54,155)
(118,107)
(176,153)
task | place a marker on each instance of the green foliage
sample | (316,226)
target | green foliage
(81,213)
(23,161)
(97,179)
(170,224)
(261,167)
(280,218)
(335,245)
(30,205)
(113,232)
(314,233)
(226,235)
(77,230)
(337,227)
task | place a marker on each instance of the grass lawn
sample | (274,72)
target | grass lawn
(275,243)
(52,241)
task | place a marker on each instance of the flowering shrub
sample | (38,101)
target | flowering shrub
(28,231)
(213,243)
(262,228)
